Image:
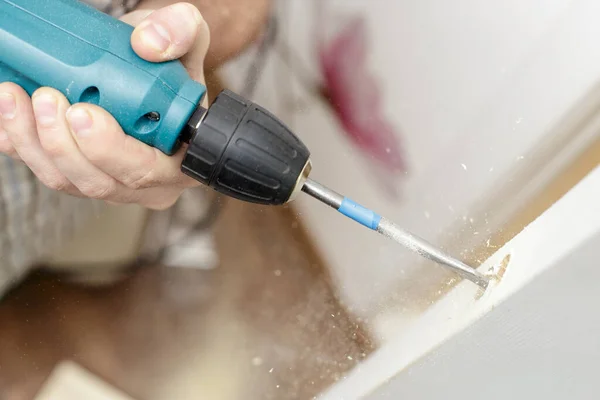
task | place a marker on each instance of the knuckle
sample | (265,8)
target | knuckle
(163,201)
(144,175)
(9,151)
(7,148)
(22,138)
(97,153)
(99,191)
(54,152)
(57,183)
(54,147)
(138,182)
(163,205)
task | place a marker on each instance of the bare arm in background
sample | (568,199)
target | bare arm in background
(234,25)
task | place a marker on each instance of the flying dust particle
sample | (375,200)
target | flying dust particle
(257,361)
(277,272)
(464,166)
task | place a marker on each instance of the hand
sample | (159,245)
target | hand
(81,149)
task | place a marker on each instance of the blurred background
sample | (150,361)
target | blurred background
(461,121)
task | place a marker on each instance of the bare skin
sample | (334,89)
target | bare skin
(81,150)
(234,24)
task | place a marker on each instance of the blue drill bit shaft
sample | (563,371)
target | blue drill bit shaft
(387,228)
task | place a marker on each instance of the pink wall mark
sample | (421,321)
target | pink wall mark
(355,98)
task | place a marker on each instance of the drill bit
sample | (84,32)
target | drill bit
(387,228)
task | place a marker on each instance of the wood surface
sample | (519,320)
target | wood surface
(264,325)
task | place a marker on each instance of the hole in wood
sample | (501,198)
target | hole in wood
(495,274)
(502,268)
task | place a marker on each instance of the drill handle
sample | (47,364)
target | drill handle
(87,55)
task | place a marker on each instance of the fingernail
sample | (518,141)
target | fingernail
(8,106)
(156,36)
(80,121)
(45,108)
(3,136)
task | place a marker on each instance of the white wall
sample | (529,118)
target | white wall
(532,335)
(481,85)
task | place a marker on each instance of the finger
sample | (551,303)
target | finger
(157,198)
(50,108)
(6,146)
(126,159)
(19,124)
(167,33)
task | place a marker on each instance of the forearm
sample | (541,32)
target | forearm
(234,24)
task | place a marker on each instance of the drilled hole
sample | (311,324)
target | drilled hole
(495,273)
(503,266)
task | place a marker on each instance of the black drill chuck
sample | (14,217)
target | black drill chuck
(241,150)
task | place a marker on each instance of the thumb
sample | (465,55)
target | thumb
(168,33)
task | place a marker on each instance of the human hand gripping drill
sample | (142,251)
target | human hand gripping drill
(234,146)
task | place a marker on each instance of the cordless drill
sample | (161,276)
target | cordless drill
(235,146)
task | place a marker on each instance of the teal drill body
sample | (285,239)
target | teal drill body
(235,146)
(87,55)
